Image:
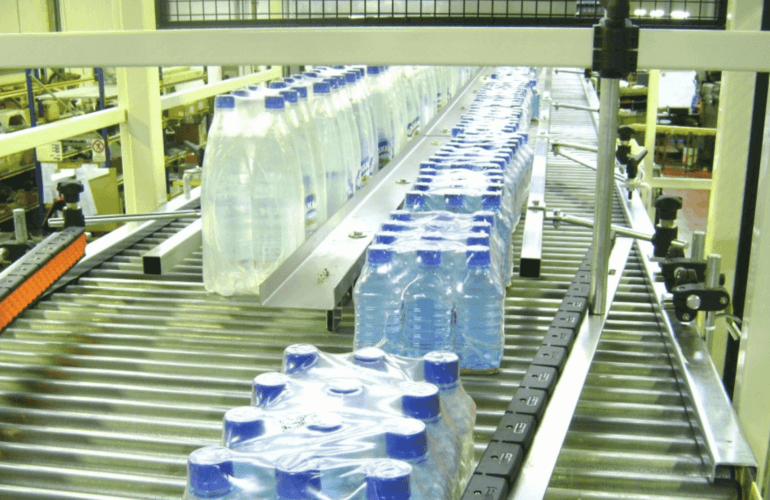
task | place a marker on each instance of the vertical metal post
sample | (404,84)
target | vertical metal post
(698,246)
(712,281)
(38,168)
(605,178)
(99,74)
(20,225)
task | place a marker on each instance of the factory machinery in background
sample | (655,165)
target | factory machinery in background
(117,374)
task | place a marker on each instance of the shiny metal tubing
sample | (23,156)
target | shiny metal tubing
(164,257)
(712,281)
(591,99)
(605,175)
(623,231)
(20,225)
(102,219)
(558,105)
(572,145)
(698,252)
(557,151)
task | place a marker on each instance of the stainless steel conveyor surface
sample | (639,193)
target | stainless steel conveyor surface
(107,385)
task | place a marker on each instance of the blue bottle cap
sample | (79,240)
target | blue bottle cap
(441,368)
(254,88)
(298,483)
(351,76)
(268,386)
(415,200)
(429,258)
(373,70)
(299,357)
(420,401)
(478,257)
(289,80)
(478,240)
(344,386)
(384,238)
(290,96)
(368,356)
(242,423)
(421,187)
(301,90)
(406,439)
(378,256)
(209,470)
(241,93)
(274,102)
(431,237)
(277,85)
(321,88)
(425,179)
(454,200)
(402,215)
(224,102)
(395,226)
(489,201)
(388,480)
(311,74)
(325,422)
(485,217)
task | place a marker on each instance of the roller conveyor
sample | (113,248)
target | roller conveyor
(107,384)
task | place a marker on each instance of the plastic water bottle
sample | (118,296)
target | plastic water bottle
(389,480)
(377,301)
(299,359)
(268,387)
(480,309)
(209,471)
(420,401)
(442,369)
(407,441)
(383,115)
(241,425)
(349,133)
(252,196)
(365,127)
(330,136)
(298,482)
(427,308)
(313,179)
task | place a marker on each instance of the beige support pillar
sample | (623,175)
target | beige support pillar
(751,397)
(144,175)
(736,102)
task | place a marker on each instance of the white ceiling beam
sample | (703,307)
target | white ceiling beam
(659,49)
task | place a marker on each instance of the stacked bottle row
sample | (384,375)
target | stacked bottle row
(436,274)
(282,159)
(360,426)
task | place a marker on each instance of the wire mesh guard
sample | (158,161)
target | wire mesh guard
(213,13)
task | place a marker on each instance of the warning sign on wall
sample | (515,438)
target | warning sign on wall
(99,153)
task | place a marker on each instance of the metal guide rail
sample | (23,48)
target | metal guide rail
(108,383)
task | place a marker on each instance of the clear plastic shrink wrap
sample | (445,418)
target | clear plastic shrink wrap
(360,426)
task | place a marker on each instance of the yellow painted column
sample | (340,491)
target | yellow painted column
(144,175)
(736,103)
